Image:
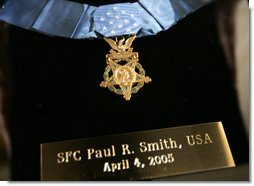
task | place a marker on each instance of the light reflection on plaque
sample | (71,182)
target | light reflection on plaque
(139,155)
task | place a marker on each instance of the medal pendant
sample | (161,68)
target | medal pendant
(123,74)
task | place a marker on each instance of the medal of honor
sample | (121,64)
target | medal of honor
(123,74)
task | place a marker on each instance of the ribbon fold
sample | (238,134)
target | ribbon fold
(79,21)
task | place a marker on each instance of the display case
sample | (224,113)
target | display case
(54,92)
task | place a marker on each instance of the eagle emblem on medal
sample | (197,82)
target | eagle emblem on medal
(123,74)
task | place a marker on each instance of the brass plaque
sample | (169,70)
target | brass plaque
(138,156)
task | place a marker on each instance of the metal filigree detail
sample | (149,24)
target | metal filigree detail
(123,74)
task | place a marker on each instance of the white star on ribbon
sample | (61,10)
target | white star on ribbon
(126,21)
(102,19)
(112,32)
(135,24)
(104,28)
(119,26)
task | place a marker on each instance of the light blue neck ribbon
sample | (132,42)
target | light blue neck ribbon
(79,21)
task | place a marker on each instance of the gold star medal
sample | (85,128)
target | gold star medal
(123,74)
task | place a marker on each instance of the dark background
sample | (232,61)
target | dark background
(54,92)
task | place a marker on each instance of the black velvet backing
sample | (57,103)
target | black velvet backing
(56,93)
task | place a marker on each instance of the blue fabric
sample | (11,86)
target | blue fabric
(21,13)
(117,19)
(74,20)
(59,18)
